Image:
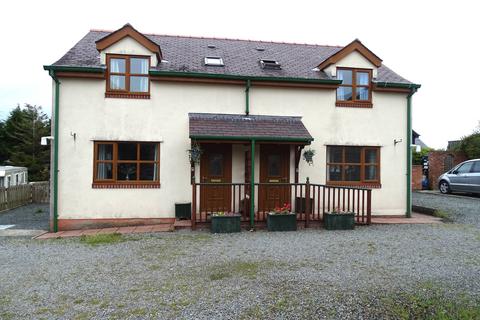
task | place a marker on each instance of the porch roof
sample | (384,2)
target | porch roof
(215,126)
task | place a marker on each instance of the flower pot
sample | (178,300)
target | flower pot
(342,221)
(225,224)
(282,222)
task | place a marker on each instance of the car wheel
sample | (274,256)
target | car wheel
(444,187)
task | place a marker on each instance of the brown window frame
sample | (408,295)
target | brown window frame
(105,183)
(362,182)
(354,102)
(112,93)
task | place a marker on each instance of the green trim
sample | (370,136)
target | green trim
(252,186)
(247,138)
(75,69)
(397,85)
(247,97)
(239,77)
(409,153)
(55,151)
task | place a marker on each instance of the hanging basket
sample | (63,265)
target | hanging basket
(195,153)
(308,156)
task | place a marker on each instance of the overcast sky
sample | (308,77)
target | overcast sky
(434,43)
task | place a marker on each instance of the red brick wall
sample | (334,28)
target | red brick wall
(417,176)
(438,164)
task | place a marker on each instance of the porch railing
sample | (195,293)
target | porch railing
(309,201)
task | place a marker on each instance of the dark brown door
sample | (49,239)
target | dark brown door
(216,167)
(274,169)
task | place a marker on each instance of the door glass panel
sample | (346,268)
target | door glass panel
(215,164)
(127,171)
(352,154)
(465,168)
(127,151)
(334,173)
(274,162)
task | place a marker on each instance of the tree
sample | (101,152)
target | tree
(417,156)
(470,144)
(22,132)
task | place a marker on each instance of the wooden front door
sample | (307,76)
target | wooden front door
(216,167)
(274,168)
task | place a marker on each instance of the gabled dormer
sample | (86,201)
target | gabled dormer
(356,66)
(128,56)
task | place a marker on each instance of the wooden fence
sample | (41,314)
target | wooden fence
(16,196)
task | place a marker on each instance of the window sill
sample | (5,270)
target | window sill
(355,184)
(349,104)
(126,185)
(127,95)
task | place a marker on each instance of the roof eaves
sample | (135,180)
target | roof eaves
(387,84)
(74,68)
(246,138)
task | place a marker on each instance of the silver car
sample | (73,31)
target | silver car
(465,177)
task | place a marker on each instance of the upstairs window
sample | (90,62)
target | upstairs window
(355,90)
(128,76)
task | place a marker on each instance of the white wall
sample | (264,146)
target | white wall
(128,46)
(164,118)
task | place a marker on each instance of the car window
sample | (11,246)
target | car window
(476,167)
(465,168)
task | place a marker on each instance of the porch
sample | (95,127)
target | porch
(263,154)
(309,201)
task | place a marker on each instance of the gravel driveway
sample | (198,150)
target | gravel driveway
(461,209)
(30,217)
(386,271)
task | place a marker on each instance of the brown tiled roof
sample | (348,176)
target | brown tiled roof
(241,57)
(214,125)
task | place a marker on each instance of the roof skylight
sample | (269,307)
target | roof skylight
(214,61)
(270,64)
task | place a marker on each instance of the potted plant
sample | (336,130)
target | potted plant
(195,153)
(308,156)
(225,222)
(282,219)
(339,220)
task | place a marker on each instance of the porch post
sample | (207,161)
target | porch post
(252,185)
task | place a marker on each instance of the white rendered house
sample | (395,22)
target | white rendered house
(128,106)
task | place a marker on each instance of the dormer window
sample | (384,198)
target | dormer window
(128,76)
(270,64)
(355,90)
(214,61)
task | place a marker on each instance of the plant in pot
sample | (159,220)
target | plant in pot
(225,222)
(308,156)
(195,153)
(282,219)
(339,220)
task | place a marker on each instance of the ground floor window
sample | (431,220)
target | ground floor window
(348,165)
(126,162)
